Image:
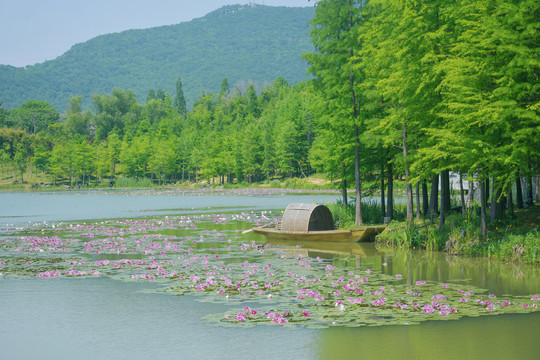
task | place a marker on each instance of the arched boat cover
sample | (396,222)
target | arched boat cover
(307,217)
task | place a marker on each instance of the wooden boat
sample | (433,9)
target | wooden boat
(354,235)
(312,222)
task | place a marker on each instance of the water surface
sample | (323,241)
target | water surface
(91,318)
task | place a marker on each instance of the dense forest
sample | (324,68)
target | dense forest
(243,43)
(409,90)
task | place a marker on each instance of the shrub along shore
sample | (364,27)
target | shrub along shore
(513,238)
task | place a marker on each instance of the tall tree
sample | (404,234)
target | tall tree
(334,36)
(179,99)
(34,116)
(78,122)
(487,93)
(225,88)
(115,111)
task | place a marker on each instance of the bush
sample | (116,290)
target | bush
(345,216)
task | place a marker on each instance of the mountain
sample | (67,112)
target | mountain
(242,43)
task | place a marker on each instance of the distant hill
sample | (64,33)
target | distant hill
(242,43)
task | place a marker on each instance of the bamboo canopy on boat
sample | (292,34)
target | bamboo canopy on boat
(307,217)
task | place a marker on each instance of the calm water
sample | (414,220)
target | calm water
(21,209)
(104,318)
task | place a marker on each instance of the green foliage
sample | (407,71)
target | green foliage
(462,236)
(252,44)
(3,116)
(344,215)
(78,122)
(179,99)
(34,116)
(524,248)
(114,111)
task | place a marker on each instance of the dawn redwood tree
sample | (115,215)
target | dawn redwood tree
(488,96)
(391,62)
(179,99)
(334,36)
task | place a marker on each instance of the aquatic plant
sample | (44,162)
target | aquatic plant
(260,283)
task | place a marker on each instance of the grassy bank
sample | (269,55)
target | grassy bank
(515,238)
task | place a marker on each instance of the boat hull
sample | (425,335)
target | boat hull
(355,235)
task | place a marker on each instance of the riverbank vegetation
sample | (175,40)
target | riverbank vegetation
(423,93)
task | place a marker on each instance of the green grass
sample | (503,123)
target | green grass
(513,239)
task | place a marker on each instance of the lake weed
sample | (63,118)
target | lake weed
(284,286)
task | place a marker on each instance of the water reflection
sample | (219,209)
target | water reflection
(497,277)
(493,337)
(325,250)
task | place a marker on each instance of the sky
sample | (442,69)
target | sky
(34,31)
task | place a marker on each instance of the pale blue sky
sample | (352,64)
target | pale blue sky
(33,31)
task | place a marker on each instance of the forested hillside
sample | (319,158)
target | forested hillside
(243,43)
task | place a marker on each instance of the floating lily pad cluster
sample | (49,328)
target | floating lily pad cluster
(262,283)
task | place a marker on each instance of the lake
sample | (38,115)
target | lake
(113,316)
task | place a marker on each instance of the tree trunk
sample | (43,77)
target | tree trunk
(390,193)
(483,222)
(425,200)
(496,210)
(442,215)
(519,193)
(493,203)
(487,190)
(510,201)
(343,184)
(462,193)
(434,196)
(537,188)
(407,176)
(470,195)
(445,178)
(418,211)
(383,210)
(290,171)
(357,179)
(358,221)
(529,191)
